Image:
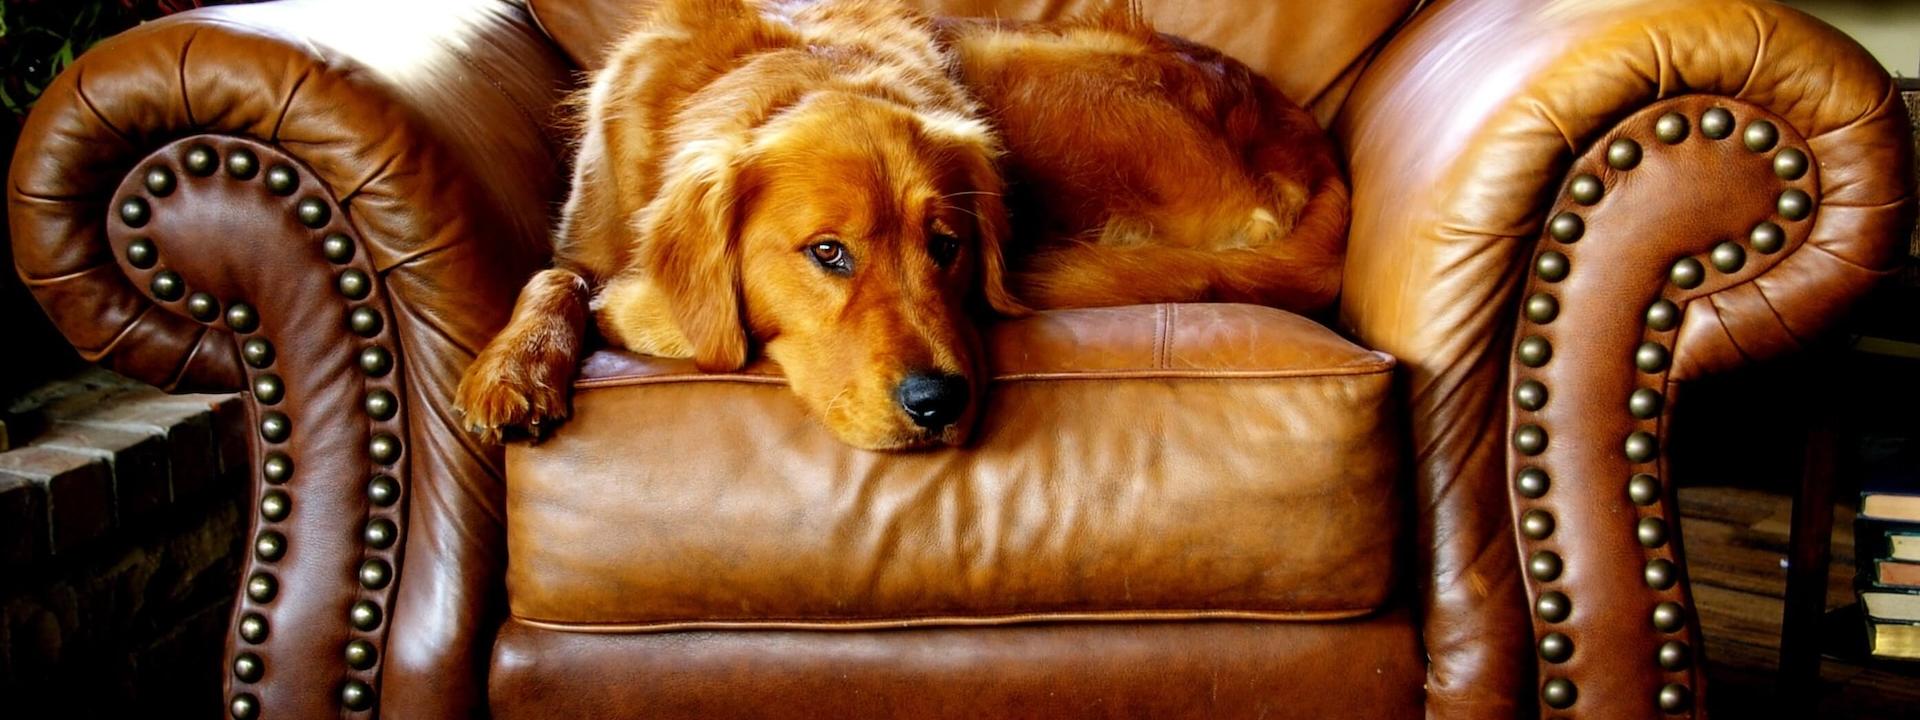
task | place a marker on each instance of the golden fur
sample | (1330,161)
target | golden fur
(728,139)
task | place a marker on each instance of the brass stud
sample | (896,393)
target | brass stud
(1530,439)
(1795,204)
(200,160)
(275,505)
(1645,403)
(1687,273)
(1669,617)
(1661,573)
(268,389)
(203,307)
(244,707)
(1671,128)
(312,212)
(242,318)
(282,180)
(1760,136)
(1544,566)
(275,427)
(1553,606)
(257,352)
(1643,489)
(361,654)
(253,628)
(383,490)
(1716,123)
(1552,266)
(1674,655)
(1767,238)
(1663,315)
(168,285)
(269,546)
(1642,446)
(1534,351)
(1586,189)
(1530,394)
(247,667)
(160,181)
(375,573)
(1532,482)
(381,405)
(365,616)
(376,361)
(1623,154)
(337,248)
(1675,698)
(1556,647)
(1542,308)
(363,321)
(354,284)
(381,533)
(134,212)
(261,587)
(356,695)
(1652,532)
(277,468)
(1559,693)
(1537,524)
(241,164)
(1651,357)
(1790,164)
(142,254)
(1728,257)
(1567,227)
(384,448)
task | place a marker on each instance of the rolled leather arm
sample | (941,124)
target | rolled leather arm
(1561,211)
(331,204)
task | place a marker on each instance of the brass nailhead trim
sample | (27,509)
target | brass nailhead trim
(1623,154)
(363,321)
(1643,489)
(381,405)
(1559,693)
(1544,566)
(1663,315)
(1790,164)
(276,505)
(1728,257)
(337,248)
(354,284)
(383,491)
(365,616)
(376,361)
(1761,136)
(242,318)
(375,573)
(356,695)
(160,181)
(142,254)
(1687,273)
(1542,308)
(361,654)
(1767,238)
(268,389)
(282,180)
(270,545)
(1645,403)
(203,307)
(1671,128)
(134,212)
(1552,266)
(248,667)
(1661,573)
(1669,617)
(253,628)
(1652,532)
(1675,698)
(277,468)
(257,352)
(1530,394)
(244,707)
(1537,524)
(1717,123)
(261,587)
(1532,482)
(1651,357)
(1556,647)
(1586,189)
(381,533)
(312,212)
(241,164)
(1642,446)
(384,448)
(1534,351)
(1553,606)
(1567,227)
(200,160)
(167,285)
(1674,655)
(1795,204)
(274,426)
(1530,439)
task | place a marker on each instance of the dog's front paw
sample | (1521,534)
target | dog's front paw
(501,397)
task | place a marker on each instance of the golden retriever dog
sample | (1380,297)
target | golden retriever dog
(849,186)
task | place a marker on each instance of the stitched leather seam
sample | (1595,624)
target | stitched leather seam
(948,620)
(1377,368)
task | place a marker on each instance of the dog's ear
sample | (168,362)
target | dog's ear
(690,249)
(976,150)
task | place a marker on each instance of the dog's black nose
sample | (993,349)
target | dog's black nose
(933,400)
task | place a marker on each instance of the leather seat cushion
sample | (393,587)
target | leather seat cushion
(1148,462)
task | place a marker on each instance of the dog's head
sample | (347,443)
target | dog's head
(856,239)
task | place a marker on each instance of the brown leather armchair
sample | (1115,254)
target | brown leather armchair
(1563,212)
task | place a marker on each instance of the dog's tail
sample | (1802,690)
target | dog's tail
(1290,253)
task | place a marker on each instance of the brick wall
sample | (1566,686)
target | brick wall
(121,526)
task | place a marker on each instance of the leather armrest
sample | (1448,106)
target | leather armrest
(1471,130)
(353,192)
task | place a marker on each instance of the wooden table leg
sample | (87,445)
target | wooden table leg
(1809,557)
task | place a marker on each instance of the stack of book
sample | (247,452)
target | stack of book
(1887,535)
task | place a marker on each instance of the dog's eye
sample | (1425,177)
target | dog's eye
(830,254)
(944,248)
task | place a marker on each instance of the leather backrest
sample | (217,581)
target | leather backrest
(1311,49)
